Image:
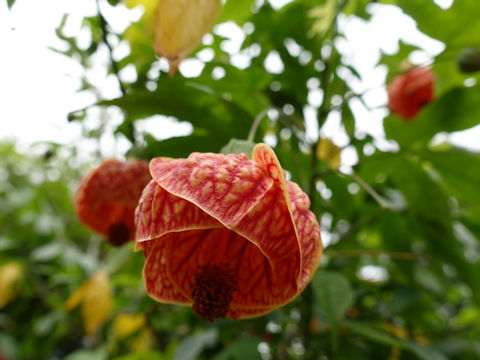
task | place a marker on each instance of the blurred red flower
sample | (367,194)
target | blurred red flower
(409,92)
(106,198)
(225,234)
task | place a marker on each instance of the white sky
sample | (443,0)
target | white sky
(38,86)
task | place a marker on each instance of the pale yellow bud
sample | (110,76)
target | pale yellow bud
(180,26)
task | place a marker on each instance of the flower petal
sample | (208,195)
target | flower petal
(224,186)
(308,232)
(156,275)
(109,194)
(159,212)
(173,260)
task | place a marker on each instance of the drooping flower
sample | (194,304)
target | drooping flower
(225,234)
(106,198)
(180,26)
(410,92)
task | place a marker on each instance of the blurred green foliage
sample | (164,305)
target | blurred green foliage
(398,280)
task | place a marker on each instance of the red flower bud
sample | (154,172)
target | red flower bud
(106,198)
(409,92)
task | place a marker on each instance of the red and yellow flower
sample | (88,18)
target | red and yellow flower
(225,234)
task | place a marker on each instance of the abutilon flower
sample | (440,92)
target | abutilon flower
(225,234)
(106,198)
(410,92)
(180,26)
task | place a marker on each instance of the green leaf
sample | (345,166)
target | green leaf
(238,11)
(10,3)
(244,348)
(182,146)
(47,252)
(244,88)
(334,293)
(382,337)
(324,16)
(424,196)
(348,119)
(9,346)
(457,348)
(141,355)
(395,60)
(190,347)
(97,354)
(236,146)
(462,18)
(44,325)
(188,101)
(459,171)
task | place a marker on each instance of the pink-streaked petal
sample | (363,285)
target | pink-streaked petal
(159,212)
(187,250)
(308,232)
(224,186)
(156,276)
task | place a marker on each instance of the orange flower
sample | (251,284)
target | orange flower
(410,92)
(225,234)
(106,199)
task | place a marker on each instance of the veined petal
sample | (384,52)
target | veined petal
(224,186)
(159,212)
(308,232)
(109,194)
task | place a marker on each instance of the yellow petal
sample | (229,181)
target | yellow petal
(181,25)
(11,275)
(76,298)
(144,341)
(329,152)
(95,295)
(127,324)
(97,302)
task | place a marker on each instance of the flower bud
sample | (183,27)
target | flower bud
(410,92)
(181,25)
(468,60)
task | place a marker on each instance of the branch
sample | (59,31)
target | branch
(104,31)
(357,253)
(256,122)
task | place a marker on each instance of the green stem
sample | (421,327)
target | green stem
(256,123)
(378,198)
(323,112)
(357,253)
(104,31)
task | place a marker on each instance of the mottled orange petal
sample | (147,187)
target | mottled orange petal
(157,275)
(108,195)
(308,232)
(159,212)
(223,186)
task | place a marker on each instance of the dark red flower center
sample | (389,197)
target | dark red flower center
(212,291)
(118,234)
